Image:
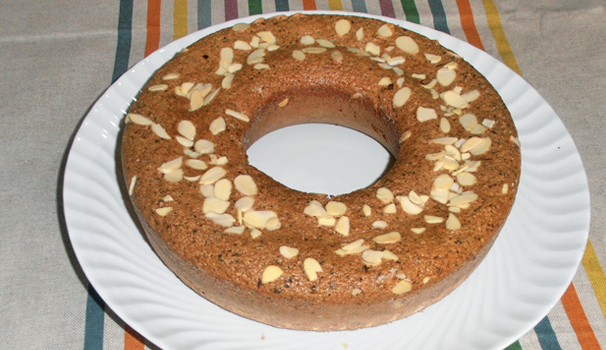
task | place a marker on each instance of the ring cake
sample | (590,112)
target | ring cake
(311,261)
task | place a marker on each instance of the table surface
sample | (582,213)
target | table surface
(57,58)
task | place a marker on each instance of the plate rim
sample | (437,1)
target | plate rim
(172,47)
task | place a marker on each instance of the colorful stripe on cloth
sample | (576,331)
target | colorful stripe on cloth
(445,15)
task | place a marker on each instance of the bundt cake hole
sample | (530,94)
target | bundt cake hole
(359,140)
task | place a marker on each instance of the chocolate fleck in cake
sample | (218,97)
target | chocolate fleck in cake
(303,260)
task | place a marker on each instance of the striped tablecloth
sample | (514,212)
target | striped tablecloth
(57,57)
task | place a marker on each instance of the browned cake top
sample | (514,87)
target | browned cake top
(445,198)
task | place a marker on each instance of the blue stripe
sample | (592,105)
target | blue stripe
(282,5)
(359,6)
(204,14)
(93,325)
(546,335)
(125,26)
(439,16)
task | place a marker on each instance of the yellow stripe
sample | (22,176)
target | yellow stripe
(335,5)
(180,19)
(596,275)
(494,23)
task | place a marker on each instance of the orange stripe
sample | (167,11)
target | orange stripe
(468,24)
(132,339)
(309,5)
(578,319)
(153,26)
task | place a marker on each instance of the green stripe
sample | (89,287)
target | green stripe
(255,7)
(410,9)
(514,346)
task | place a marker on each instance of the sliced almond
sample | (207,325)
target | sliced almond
(395,61)
(237,115)
(433,58)
(258,219)
(372,49)
(407,44)
(489,123)
(385,31)
(314,50)
(385,81)
(385,195)
(470,144)
(212,175)
(388,255)
(360,34)
(453,99)
(342,27)
(337,56)
(137,119)
(208,98)
(283,103)
(405,136)
(227,55)
(390,208)
(326,43)
(218,125)
(478,129)
(335,208)
(242,45)
(171,165)
(164,211)
(402,287)
(311,267)
(158,87)
(267,36)
(315,208)
(409,207)
(245,203)
(214,205)
(160,131)
(131,187)
(462,199)
(388,238)
(418,230)
(187,129)
(425,114)
(238,230)
(227,80)
(204,146)
(271,273)
(273,224)
(481,148)
(342,227)
(366,210)
(372,257)
(245,185)
(444,140)
(444,125)
(379,224)
(515,140)
(240,27)
(445,76)
(452,223)
(431,219)
(505,189)
(327,220)
(170,76)
(468,121)
(308,40)
(224,220)
(401,96)
(255,57)
(222,189)
(207,190)
(261,66)
(196,100)
(288,252)
(298,55)
(196,164)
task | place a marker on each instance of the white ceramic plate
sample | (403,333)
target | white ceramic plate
(524,275)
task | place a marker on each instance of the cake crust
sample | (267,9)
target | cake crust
(346,89)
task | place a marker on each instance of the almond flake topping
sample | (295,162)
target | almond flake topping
(212,175)
(385,31)
(379,224)
(224,220)
(311,267)
(313,50)
(170,76)
(237,115)
(174,176)
(407,44)
(315,208)
(255,57)
(385,195)
(164,211)
(187,129)
(505,189)
(327,220)
(184,142)
(385,81)
(245,185)
(335,208)
(242,45)
(446,76)
(131,187)
(271,273)
(137,119)
(409,207)
(418,230)
(402,287)
(366,210)
(204,146)
(240,27)
(238,230)
(298,55)
(160,131)
(227,80)
(267,37)
(401,97)
(372,257)
(453,99)
(158,87)
(342,27)
(360,34)
(342,227)
(390,208)
(222,189)
(388,238)
(196,164)
(452,223)
(337,56)
(308,40)
(425,114)
(218,125)
(171,165)
(372,49)
(258,219)
(215,205)
(444,125)
(471,95)
(245,203)
(288,252)
(430,219)
(433,58)
(325,43)
(405,136)
(283,103)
